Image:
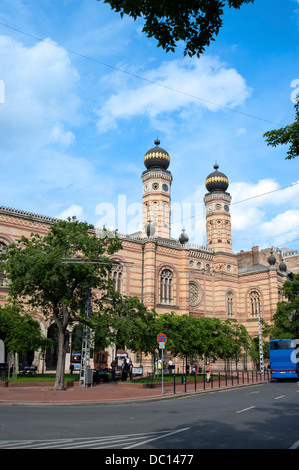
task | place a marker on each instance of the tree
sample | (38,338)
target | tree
(195,22)
(43,275)
(288,135)
(204,337)
(19,331)
(286,318)
(233,340)
(127,321)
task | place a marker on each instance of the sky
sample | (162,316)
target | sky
(84,94)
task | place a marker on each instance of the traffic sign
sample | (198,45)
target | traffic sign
(161,338)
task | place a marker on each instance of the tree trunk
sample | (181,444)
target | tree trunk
(63,342)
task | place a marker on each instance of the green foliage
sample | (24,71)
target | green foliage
(288,135)
(286,318)
(41,272)
(204,337)
(195,22)
(126,322)
(19,331)
(54,274)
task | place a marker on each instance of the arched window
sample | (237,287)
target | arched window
(255,304)
(230,304)
(211,231)
(166,287)
(219,230)
(3,249)
(117,277)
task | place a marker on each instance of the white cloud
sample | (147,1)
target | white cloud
(41,100)
(283,223)
(241,131)
(73,211)
(61,137)
(207,78)
(264,213)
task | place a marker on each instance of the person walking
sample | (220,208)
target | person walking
(124,371)
(208,370)
(131,370)
(113,369)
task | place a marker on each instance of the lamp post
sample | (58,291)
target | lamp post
(261,353)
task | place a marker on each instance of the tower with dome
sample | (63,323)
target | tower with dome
(156,179)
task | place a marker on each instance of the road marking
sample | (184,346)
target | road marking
(125,441)
(155,438)
(245,409)
(278,398)
(295,445)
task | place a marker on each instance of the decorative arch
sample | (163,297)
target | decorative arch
(254,303)
(119,275)
(4,243)
(167,285)
(5,240)
(230,303)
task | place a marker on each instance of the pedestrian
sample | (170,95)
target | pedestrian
(131,370)
(124,371)
(208,370)
(72,368)
(170,366)
(113,369)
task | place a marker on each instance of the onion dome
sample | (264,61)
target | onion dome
(216,181)
(272,259)
(283,267)
(157,157)
(183,237)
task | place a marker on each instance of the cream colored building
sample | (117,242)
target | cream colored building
(175,275)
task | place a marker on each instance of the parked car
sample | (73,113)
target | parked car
(29,370)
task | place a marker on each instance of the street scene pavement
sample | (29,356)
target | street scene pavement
(103,392)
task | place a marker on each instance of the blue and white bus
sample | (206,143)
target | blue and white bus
(284,358)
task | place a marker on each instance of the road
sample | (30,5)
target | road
(263,416)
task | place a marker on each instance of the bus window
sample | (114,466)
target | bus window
(281,345)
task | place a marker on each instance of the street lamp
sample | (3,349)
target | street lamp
(261,353)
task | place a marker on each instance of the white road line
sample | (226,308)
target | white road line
(295,445)
(278,398)
(104,442)
(155,438)
(245,409)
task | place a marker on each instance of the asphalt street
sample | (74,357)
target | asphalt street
(264,416)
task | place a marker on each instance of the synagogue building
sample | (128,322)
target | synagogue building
(170,274)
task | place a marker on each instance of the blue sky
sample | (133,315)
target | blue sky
(84,94)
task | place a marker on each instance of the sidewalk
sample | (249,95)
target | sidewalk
(104,393)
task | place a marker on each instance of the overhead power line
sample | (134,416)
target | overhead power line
(238,202)
(139,77)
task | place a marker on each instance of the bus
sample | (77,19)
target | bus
(284,358)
